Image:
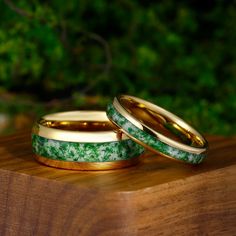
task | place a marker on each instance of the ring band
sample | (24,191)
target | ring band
(157,129)
(82,140)
(88,165)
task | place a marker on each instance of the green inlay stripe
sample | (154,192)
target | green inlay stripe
(85,152)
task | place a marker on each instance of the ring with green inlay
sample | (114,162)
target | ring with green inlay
(157,129)
(82,140)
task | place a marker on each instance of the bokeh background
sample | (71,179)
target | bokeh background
(63,55)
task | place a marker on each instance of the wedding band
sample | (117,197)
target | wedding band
(82,140)
(157,129)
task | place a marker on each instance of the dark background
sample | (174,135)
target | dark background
(61,55)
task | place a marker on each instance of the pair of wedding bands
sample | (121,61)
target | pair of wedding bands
(95,140)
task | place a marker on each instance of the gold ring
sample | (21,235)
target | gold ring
(82,140)
(157,129)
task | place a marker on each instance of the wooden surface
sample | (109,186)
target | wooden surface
(156,197)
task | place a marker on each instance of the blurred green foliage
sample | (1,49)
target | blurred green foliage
(179,54)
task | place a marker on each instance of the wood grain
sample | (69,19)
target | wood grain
(156,197)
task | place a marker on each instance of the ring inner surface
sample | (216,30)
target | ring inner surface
(160,123)
(79,125)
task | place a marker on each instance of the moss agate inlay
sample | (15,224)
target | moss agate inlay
(85,152)
(150,140)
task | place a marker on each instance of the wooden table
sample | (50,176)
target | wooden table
(156,197)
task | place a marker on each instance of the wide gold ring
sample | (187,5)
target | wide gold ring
(82,140)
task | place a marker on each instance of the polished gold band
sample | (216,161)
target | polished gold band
(99,166)
(78,126)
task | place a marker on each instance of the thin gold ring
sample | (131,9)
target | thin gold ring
(157,129)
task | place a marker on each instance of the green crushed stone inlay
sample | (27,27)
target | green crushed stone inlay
(150,140)
(85,152)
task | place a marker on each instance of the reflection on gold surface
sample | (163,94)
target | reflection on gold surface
(79,125)
(160,122)
(87,165)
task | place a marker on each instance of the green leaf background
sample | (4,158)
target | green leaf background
(178,54)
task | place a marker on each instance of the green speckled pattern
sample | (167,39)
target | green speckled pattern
(150,140)
(85,152)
